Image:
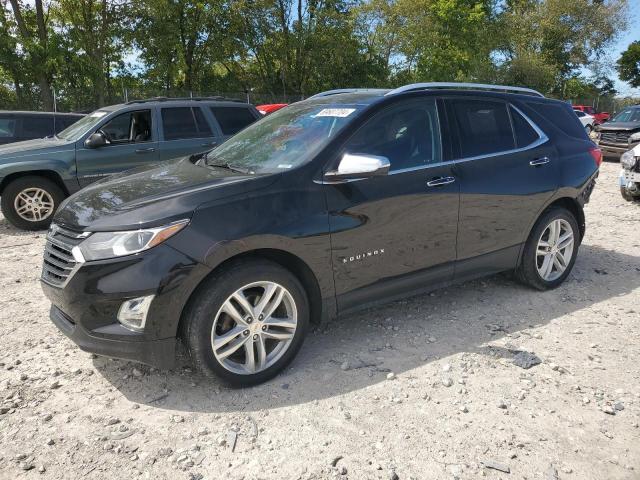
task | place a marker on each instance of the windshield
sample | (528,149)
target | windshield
(285,139)
(629,115)
(75,131)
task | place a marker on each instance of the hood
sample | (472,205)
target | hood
(33,147)
(621,126)
(152,195)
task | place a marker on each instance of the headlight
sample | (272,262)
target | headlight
(634,137)
(101,245)
(628,160)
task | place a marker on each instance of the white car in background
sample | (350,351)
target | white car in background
(588,121)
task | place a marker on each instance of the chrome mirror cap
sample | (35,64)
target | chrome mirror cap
(355,166)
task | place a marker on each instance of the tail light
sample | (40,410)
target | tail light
(596,153)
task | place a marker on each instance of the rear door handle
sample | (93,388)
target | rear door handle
(439,181)
(145,150)
(539,161)
(209,144)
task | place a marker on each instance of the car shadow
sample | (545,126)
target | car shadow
(359,350)
(8,230)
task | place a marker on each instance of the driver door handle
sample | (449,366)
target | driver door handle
(439,181)
(539,161)
(145,150)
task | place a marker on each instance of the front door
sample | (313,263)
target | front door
(395,234)
(132,142)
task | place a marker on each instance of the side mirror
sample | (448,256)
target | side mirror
(96,140)
(354,166)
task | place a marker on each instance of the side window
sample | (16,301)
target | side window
(525,134)
(184,122)
(407,135)
(130,127)
(7,127)
(37,127)
(483,126)
(579,113)
(233,119)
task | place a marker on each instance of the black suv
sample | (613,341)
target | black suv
(326,206)
(18,126)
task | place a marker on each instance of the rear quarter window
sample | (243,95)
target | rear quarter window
(562,117)
(37,126)
(233,119)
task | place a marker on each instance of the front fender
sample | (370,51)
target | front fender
(65,168)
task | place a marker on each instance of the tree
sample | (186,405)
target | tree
(33,35)
(628,65)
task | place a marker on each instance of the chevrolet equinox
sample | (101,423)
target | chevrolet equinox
(346,199)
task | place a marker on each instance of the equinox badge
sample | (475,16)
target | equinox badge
(362,256)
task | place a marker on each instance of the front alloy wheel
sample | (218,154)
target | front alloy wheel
(254,327)
(34,204)
(246,322)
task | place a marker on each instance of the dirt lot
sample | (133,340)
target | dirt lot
(424,388)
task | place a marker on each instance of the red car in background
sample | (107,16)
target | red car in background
(270,107)
(600,117)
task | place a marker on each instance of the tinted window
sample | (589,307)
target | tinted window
(483,127)
(525,134)
(130,127)
(560,116)
(37,127)
(7,127)
(233,119)
(580,114)
(184,122)
(64,122)
(407,135)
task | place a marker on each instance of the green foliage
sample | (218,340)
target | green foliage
(629,64)
(97,52)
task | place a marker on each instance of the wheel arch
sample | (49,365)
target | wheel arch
(48,174)
(294,264)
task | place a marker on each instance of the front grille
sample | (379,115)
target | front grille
(58,263)
(615,137)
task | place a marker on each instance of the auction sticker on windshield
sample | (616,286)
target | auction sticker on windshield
(335,112)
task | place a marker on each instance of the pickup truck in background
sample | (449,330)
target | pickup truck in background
(37,175)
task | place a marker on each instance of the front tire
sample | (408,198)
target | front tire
(29,203)
(551,250)
(247,322)
(627,196)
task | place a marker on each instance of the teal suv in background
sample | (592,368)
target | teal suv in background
(36,175)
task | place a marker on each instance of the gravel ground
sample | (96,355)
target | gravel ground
(424,388)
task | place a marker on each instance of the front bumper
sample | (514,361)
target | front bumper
(615,150)
(157,353)
(86,308)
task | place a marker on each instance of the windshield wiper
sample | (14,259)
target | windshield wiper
(227,166)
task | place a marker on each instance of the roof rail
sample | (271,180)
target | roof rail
(468,86)
(347,90)
(196,99)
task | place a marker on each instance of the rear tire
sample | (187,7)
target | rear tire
(29,203)
(545,264)
(212,319)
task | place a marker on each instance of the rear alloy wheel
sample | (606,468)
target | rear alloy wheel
(555,249)
(246,322)
(30,202)
(551,249)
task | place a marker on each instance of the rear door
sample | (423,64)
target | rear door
(185,131)
(507,170)
(232,119)
(133,142)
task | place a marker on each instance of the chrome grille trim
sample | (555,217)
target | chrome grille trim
(59,264)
